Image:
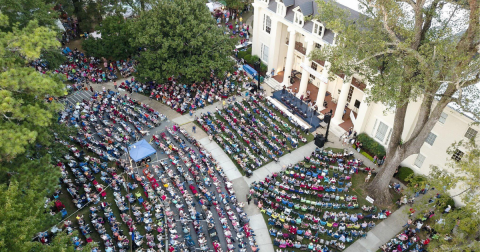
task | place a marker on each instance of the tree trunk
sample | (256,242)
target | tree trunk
(378,188)
(142,5)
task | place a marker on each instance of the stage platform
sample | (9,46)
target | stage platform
(299,108)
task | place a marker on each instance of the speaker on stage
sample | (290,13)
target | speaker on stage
(320,141)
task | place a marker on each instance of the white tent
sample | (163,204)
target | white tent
(213,6)
(60,25)
(95,34)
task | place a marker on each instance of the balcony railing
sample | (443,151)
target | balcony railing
(298,46)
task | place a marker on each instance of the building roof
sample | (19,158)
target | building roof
(310,7)
(306,8)
(288,2)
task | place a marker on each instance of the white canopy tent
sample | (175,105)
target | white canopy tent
(214,5)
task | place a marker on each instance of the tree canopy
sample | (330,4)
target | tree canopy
(180,38)
(114,43)
(463,177)
(27,134)
(21,12)
(407,51)
(23,90)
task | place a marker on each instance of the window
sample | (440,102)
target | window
(298,18)
(457,155)
(431,138)
(350,93)
(318,46)
(267,23)
(264,52)
(357,104)
(381,131)
(443,118)
(419,161)
(317,29)
(312,76)
(314,66)
(280,8)
(471,133)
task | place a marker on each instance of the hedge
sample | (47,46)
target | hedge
(404,173)
(241,54)
(255,58)
(370,146)
(366,155)
(263,67)
(247,58)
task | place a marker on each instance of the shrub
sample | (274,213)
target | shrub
(371,146)
(248,58)
(366,155)
(249,51)
(263,67)
(404,173)
(255,58)
(242,54)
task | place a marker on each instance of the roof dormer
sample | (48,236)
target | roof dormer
(264,1)
(298,18)
(281,8)
(318,28)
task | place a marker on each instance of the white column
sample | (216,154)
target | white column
(289,62)
(322,90)
(257,20)
(362,113)
(305,74)
(272,59)
(342,101)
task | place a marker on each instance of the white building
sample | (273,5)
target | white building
(282,37)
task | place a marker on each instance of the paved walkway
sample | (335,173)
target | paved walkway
(378,236)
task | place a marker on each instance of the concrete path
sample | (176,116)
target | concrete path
(382,233)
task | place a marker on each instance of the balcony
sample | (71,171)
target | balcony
(298,46)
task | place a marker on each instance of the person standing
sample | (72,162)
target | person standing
(194,128)
(115,84)
(91,89)
(249,198)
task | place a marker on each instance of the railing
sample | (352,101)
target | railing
(299,47)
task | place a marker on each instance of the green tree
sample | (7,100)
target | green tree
(235,4)
(53,57)
(88,12)
(114,43)
(180,38)
(23,108)
(463,176)
(408,51)
(21,12)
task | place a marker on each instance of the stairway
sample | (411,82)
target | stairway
(336,130)
(274,84)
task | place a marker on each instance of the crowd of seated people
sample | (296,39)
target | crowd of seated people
(312,201)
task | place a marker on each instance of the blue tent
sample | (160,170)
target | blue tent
(141,150)
(250,70)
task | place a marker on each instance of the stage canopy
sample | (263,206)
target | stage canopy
(140,150)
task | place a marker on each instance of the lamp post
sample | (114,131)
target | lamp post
(327,118)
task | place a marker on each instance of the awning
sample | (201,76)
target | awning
(141,150)
(314,73)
